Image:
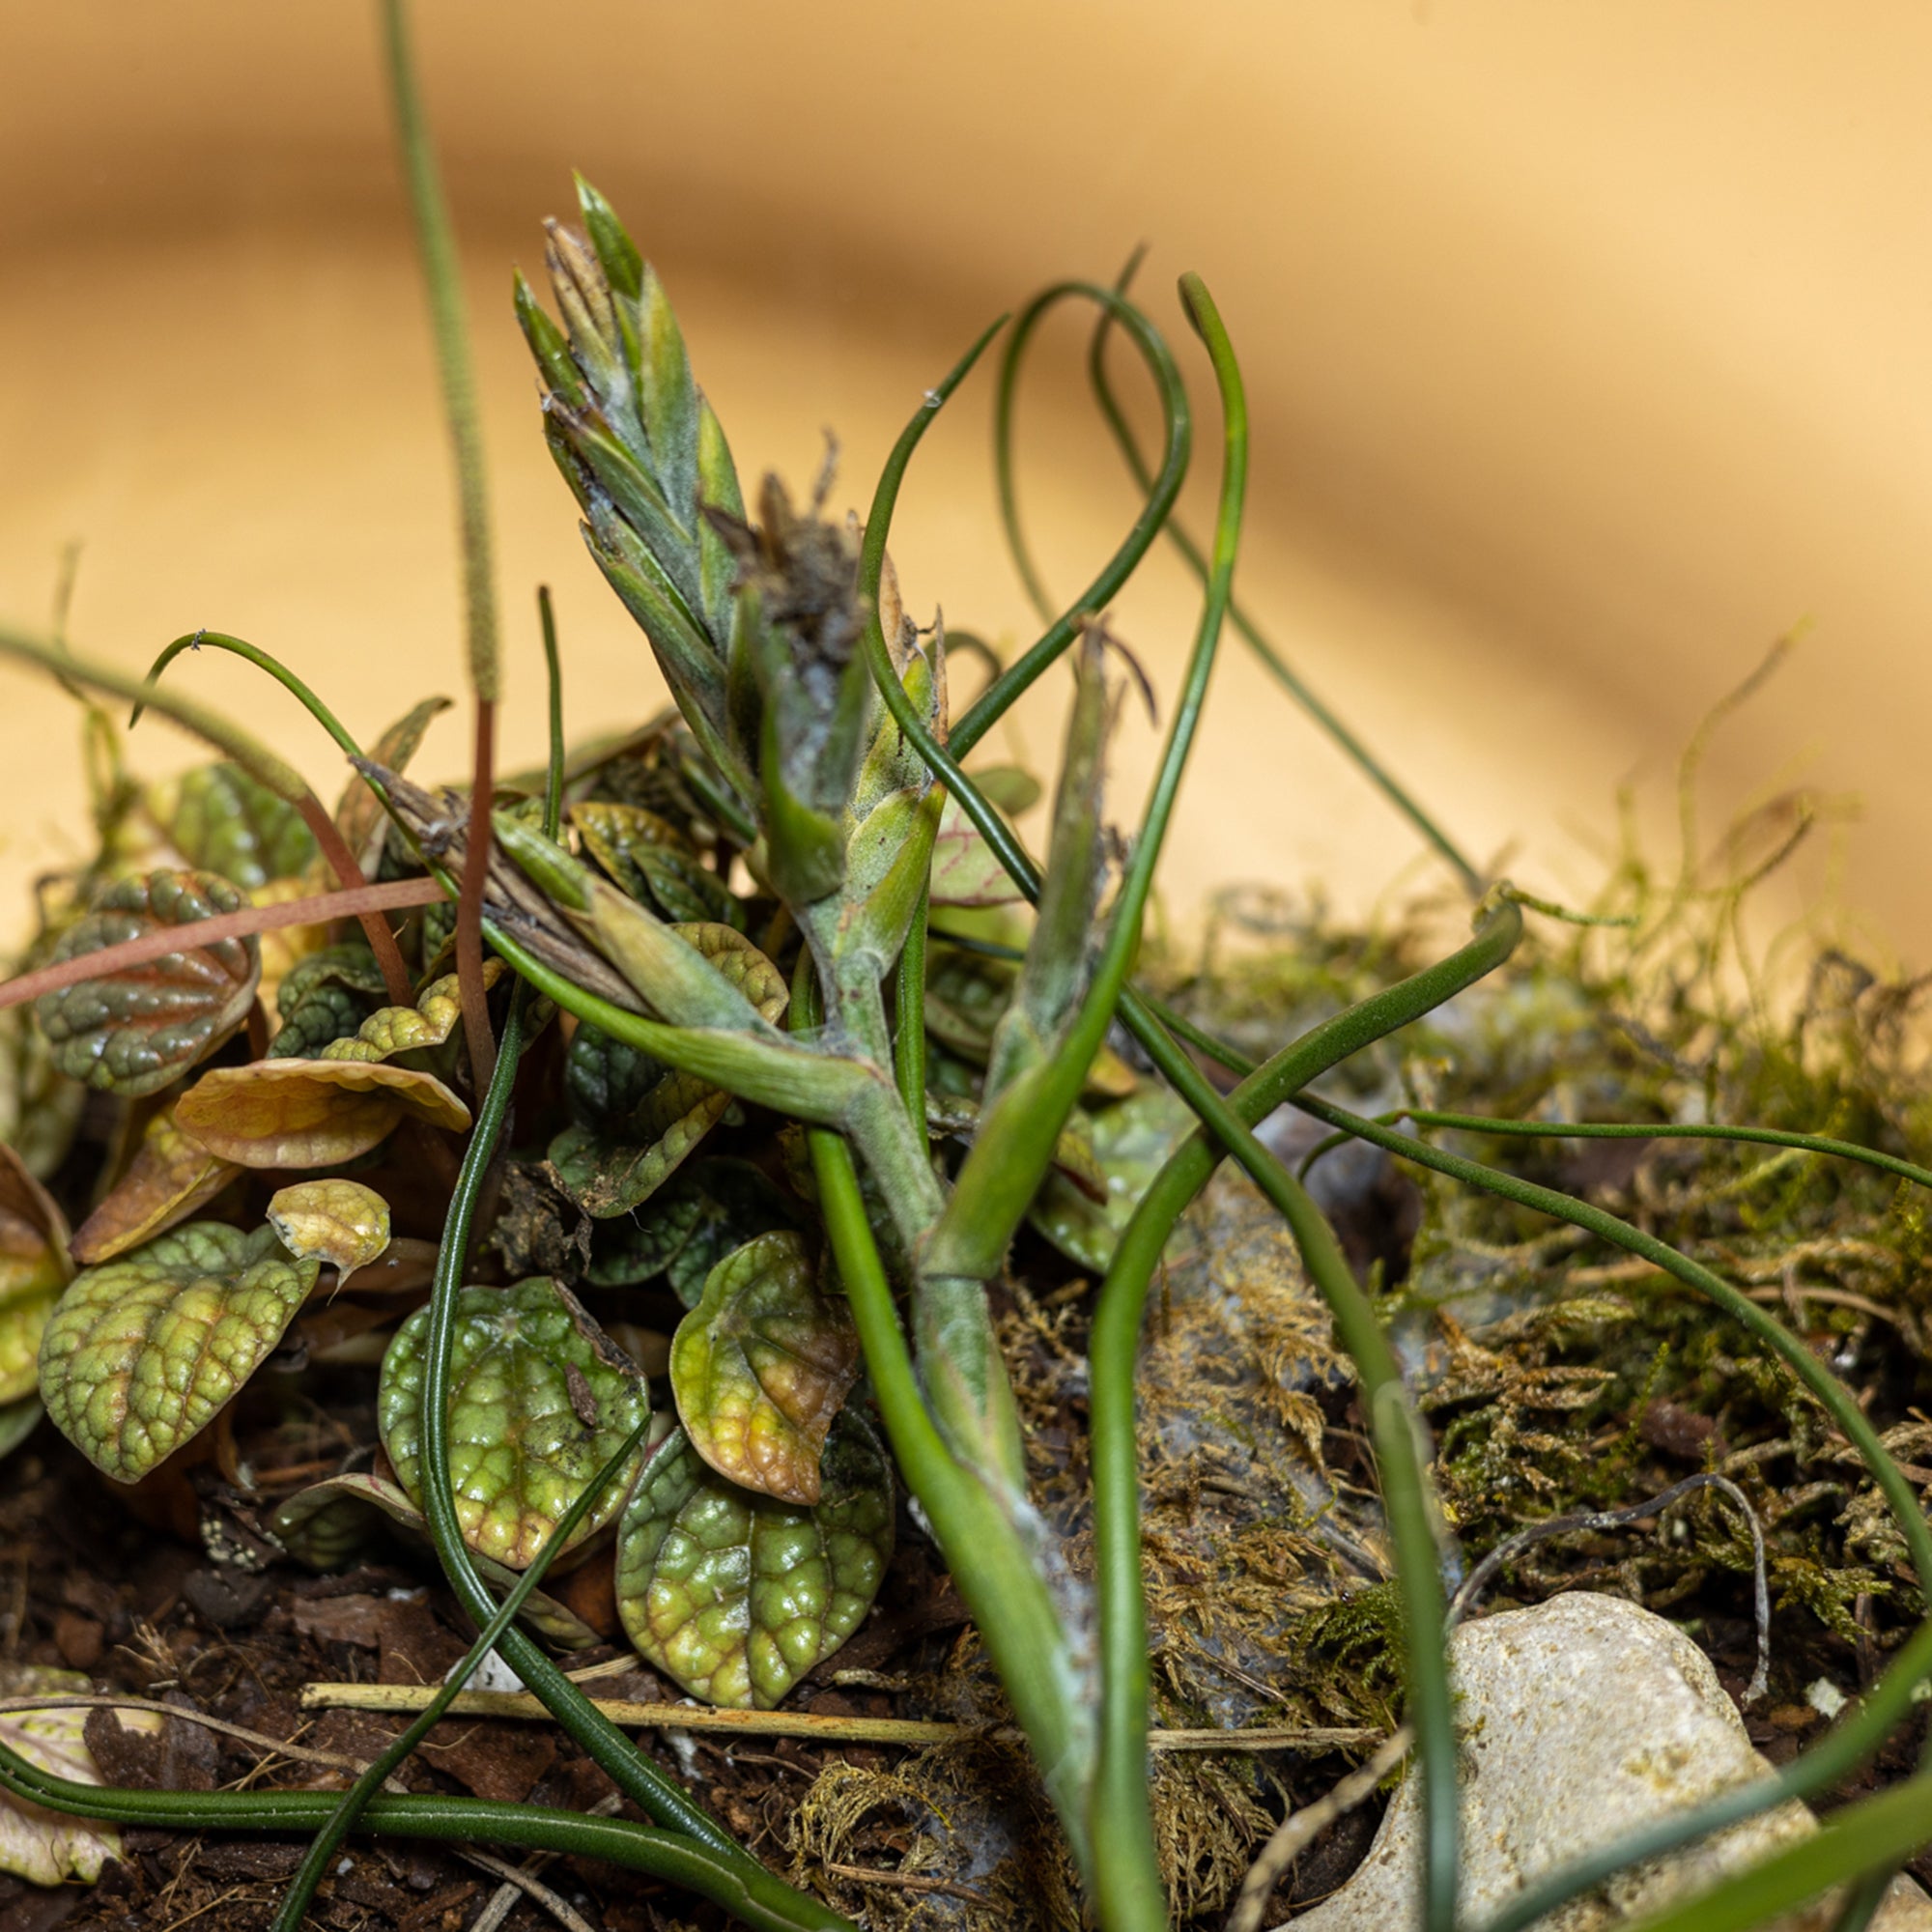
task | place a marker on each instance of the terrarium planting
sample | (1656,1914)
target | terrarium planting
(764,1010)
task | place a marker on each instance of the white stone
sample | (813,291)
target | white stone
(1580,1720)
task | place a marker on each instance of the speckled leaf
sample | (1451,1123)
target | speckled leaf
(47,1847)
(143,1352)
(651,859)
(332,1521)
(1130,1141)
(734,1595)
(310,1113)
(171,1176)
(340,1222)
(135,1031)
(392,1029)
(539,1401)
(220,820)
(351,964)
(761,1366)
(359,816)
(965,873)
(34,1242)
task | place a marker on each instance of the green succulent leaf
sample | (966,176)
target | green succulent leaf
(540,1398)
(326,1014)
(761,1366)
(651,859)
(1130,1141)
(136,1031)
(24,1322)
(220,820)
(330,1522)
(633,1248)
(142,1352)
(735,1596)
(633,1120)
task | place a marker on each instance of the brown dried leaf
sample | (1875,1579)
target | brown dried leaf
(171,1176)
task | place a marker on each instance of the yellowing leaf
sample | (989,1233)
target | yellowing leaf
(171,1176)
(340,1222)
(142,1353)
(310,1113)
(135,1031)
(47,1847)
(34,1244)
(761,1366)
(393,1030)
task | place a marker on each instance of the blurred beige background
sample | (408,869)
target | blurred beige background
(1590,347)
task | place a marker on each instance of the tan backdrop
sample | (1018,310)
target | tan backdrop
(1590,347)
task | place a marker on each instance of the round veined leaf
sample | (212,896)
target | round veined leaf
(135,1031)
(761,1366)
(171,1176)
(359,815)
(324,997)
(34,1242)
(143,1352)
(739,1204)
(223,821)
(540,1398)
(340,1222)
(330,1521)
(735,1596)
(310,1113)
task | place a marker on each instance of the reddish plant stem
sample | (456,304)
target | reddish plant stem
(342,862)
(315,910)
(481,1041)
